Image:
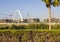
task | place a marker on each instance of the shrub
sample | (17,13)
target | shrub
(18,27)
(42,26)
(57,26)
(3,27)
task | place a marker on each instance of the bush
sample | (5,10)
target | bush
(36,26)
(3,27)
(18,27)
(30,26)
(42,26)
(57,26)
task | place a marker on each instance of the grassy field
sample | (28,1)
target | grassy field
(57,30)
(29,33)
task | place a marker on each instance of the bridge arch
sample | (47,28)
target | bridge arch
(19,13)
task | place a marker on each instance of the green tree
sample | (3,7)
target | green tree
(48,5)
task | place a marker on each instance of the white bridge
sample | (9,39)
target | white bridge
(20,16)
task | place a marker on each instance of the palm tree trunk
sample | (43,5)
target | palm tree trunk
(49,16)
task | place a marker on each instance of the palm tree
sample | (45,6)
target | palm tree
(48,5)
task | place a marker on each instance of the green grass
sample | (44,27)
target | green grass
(31,30)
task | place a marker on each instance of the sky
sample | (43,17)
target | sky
(35,9)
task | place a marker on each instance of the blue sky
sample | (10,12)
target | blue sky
(35,8)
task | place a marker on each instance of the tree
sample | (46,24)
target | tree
(48,5)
